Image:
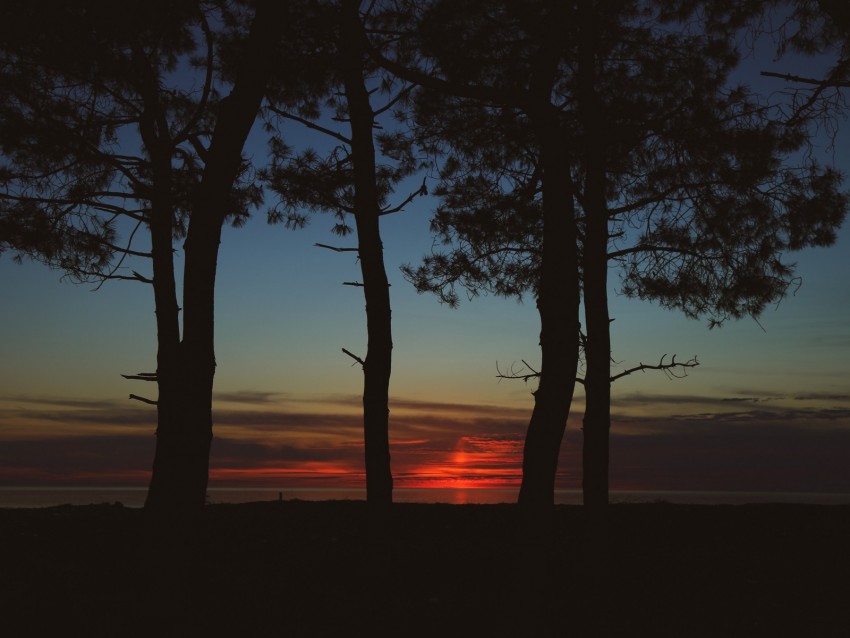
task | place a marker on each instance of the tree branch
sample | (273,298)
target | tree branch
(141,376)
(399,96)
(649,248)
(355,357)
(337,249)
(796,78)
(422,190)
(518,374)
(673,369)
(309,124)
(143,399)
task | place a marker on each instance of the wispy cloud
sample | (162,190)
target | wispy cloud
(250,397)
(822,396)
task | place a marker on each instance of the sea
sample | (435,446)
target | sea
(29,497)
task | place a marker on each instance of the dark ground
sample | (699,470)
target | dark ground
(308,569)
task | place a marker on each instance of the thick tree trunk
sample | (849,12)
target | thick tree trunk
(558,293)
(558,305)
(171,473)
(378,362)
(184,433)
(597,350)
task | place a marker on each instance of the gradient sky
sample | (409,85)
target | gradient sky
(767,409)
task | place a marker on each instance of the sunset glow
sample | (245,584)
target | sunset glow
(791,442)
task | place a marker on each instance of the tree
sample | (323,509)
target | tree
(518,77)
(352,182)
(157,142)
(183,442)
(676,176)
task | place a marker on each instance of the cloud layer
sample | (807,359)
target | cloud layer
(743,442)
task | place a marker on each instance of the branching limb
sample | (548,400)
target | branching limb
(835,79)
(672,369)
(422,190)
(518,373)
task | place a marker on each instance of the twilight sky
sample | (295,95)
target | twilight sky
(767,409)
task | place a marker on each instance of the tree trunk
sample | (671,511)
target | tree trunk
(184,433)
(558,305)
(597,349)
(378,362)
(171,472)
(558,294)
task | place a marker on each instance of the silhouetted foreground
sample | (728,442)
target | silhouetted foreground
(309,569)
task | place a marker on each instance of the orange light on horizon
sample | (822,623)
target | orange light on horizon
(304,472)
(475,463)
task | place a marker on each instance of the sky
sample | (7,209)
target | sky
(767,409)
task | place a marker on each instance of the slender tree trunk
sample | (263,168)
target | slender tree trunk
(378,362)
(184,434)
(597,380)
(597,349)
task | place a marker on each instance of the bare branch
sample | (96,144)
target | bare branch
(337,249)
(517,373)
(796,78)
(399,96)
(309,124)
(422,190)
(123,250)
(673,369)
(111,274)
(143,399)
(352,283)
(355,357)
(139,277)
(141,376)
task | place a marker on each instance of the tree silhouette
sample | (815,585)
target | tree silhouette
(113,133)
(679,178)
(517,75)
(351,182)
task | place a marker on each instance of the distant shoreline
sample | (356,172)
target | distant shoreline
(44,496)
